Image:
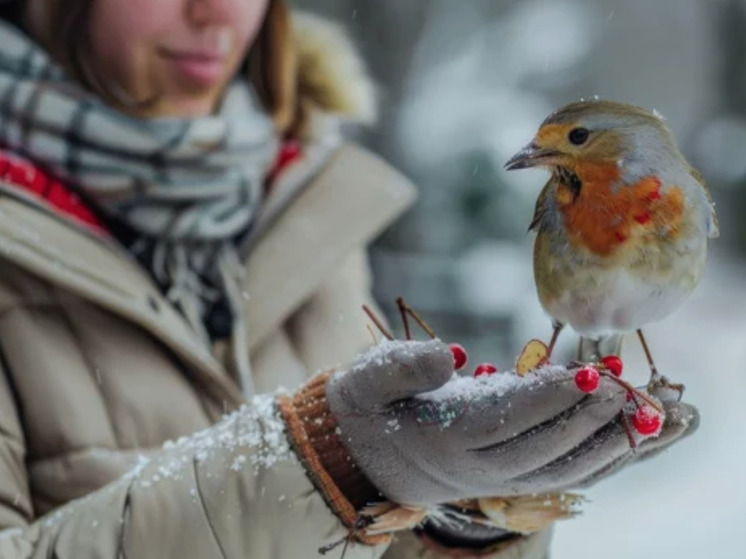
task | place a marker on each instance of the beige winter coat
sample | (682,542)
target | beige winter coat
(98,371)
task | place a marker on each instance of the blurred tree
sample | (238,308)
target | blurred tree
(732,65)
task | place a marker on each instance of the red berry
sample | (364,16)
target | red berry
(613,364)
(587,379)
(485,369)
(459,355)
(646,420)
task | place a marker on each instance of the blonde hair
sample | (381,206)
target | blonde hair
(270,65)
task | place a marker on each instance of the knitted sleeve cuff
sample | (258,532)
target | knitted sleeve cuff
(314,435)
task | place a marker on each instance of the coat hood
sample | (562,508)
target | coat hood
(332,78)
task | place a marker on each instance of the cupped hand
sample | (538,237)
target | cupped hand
(425,436)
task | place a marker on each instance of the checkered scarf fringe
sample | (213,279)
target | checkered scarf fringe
(187,188)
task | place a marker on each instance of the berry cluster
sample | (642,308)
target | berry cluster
(647,416)
(459,360)
(646,420)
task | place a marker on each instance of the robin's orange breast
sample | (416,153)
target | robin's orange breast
(605,214)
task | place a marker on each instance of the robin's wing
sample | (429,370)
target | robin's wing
(541,205)
(713,230)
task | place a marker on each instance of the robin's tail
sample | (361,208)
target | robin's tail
(591,349)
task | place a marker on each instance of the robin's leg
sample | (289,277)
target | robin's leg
(558,326)
(656,379)
(588,351)
(653,371)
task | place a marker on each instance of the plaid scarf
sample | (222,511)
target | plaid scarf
(186,189)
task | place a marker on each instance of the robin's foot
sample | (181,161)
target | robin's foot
(663,389)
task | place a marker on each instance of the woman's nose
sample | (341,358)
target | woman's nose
(213,12)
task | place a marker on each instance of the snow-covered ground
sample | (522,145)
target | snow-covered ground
(689,502)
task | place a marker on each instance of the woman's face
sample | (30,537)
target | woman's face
(180,52)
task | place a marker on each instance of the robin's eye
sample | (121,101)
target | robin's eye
(578,136)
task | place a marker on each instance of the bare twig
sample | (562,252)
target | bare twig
(360,524)
(628,431)
(421,322)
(372,334)
(388,335)
(323,550)
(634,391)
(405,320)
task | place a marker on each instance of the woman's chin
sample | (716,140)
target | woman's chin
(183,106)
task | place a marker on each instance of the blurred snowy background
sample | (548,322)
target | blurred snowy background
(463,86)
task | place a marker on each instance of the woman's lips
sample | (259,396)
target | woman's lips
(203,68)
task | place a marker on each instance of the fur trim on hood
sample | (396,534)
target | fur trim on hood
(332,77)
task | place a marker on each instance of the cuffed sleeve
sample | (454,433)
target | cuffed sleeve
(314,435)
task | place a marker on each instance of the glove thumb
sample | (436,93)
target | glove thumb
(393,371)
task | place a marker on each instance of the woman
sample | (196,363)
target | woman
(183,231)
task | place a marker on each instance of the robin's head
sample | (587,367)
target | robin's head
(597,132)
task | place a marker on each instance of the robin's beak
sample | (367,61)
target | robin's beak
(531,156)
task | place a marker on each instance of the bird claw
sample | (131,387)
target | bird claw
(663,389)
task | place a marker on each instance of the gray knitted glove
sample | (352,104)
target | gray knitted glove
(424,436)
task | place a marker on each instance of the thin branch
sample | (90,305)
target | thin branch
(388,335)
(421,322)
(372,334)
(405,320)
(634,391)
(628,431)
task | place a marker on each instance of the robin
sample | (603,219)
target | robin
(622,224)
